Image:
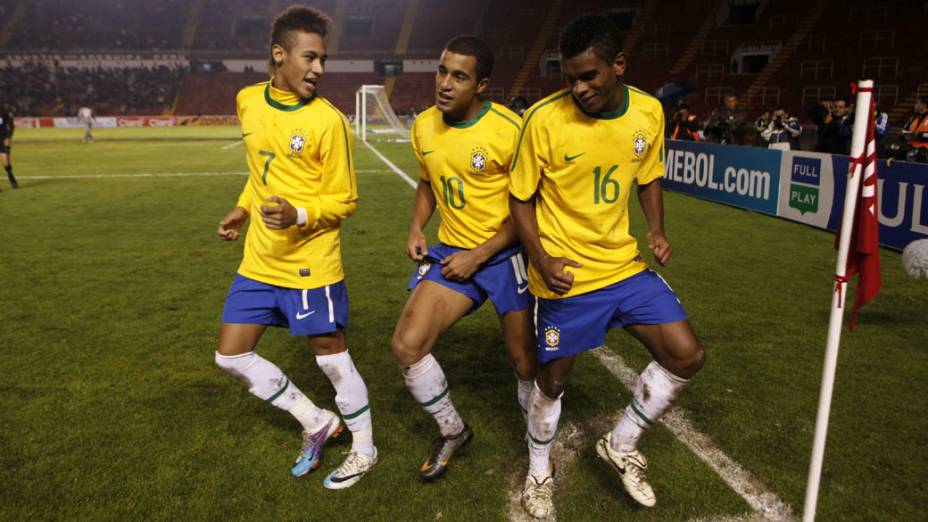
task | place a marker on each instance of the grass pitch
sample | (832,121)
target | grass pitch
(111,408)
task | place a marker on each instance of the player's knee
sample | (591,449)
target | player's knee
(552,387)
(405,350)
(686,362)
(525,366)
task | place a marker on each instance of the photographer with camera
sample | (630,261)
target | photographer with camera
(684,124)
(726,125)
(782,132)
(834,129)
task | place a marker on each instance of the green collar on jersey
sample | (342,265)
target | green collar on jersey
(282,106)
(467,123)
(607,115)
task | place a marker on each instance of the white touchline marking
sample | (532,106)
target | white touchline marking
(409,181)
(233,144)
(160,175)
(763,501)
(753,491)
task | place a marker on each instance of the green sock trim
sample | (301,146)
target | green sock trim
(435,399)
(542,442)
(280,391)
(640,414)
(355,414)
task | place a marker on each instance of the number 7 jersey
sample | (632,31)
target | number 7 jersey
(584,167)
(467,165)
(299,150)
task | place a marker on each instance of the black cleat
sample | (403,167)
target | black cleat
(442,450)
(13,181)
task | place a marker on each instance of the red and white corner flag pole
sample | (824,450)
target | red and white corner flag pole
(860,168)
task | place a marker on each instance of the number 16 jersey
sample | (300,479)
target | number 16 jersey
(584,168)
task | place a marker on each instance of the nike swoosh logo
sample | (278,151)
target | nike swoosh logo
(571,158)
(427,152)
(522,290)
(300,316)
(343,479)
(247,134)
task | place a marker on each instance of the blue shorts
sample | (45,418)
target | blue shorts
(568,326)
(307,312)
(503,278)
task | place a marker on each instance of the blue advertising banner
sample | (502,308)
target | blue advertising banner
(745,177)
(903,201)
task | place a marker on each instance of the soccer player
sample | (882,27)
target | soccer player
(464,145)
(301,185)
(85,115)
(581,154)
(7,126)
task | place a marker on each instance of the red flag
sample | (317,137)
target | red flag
(864,254)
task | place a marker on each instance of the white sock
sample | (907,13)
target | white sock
(524,393)
(654,394)
(351,398)
(267,382)
(543,415)
(429,387)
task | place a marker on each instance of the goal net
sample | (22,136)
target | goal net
(373,114)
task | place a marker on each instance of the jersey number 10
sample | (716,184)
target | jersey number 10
(452,190)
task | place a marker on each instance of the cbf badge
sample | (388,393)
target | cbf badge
(552,338)
(424,269)
(297,142)
(639,143)
(478,159)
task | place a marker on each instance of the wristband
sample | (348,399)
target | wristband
(301,216)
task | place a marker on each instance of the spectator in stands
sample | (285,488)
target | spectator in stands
(915,131)
(760,125)
(684,125)
(518,105)
(727,124)
(834,134)
(782,131)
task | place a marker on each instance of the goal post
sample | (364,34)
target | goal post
(373,113)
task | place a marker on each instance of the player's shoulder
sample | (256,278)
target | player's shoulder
(643,100)
(547,106)
(427,119)
(504,116)
(251,91)
(329,111)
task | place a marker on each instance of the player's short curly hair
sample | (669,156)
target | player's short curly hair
(298,18)
(472,46)
(596,33)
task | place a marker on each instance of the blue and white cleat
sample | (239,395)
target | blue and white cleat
(311,454)
(351,471)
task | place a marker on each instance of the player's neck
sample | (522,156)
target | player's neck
(617,100)
(475,110)
(280,92)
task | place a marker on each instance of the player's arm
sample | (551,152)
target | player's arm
(232,223)
(422,208)
(338,195)
(524,178)
(461,266)
(651,196)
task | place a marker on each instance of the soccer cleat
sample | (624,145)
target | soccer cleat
(13,180)
(538,495)
(631,467)
(311,454)
(351,471)
(443,449)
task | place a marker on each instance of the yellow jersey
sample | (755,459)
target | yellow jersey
(583,168)
(299,150)
(467,165)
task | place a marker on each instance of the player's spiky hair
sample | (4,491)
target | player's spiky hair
(298,18)
(473,46)
(591,32)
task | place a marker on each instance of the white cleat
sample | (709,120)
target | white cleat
(351,471)
(538,496)
(631,467)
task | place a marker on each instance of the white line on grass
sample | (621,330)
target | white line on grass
(409,181)
(233,144)
(162,175)
(761,499)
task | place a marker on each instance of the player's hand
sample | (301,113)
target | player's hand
(231,224)
(660,247)
(460,266)
(556,278)
(416,245)
(280,216)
